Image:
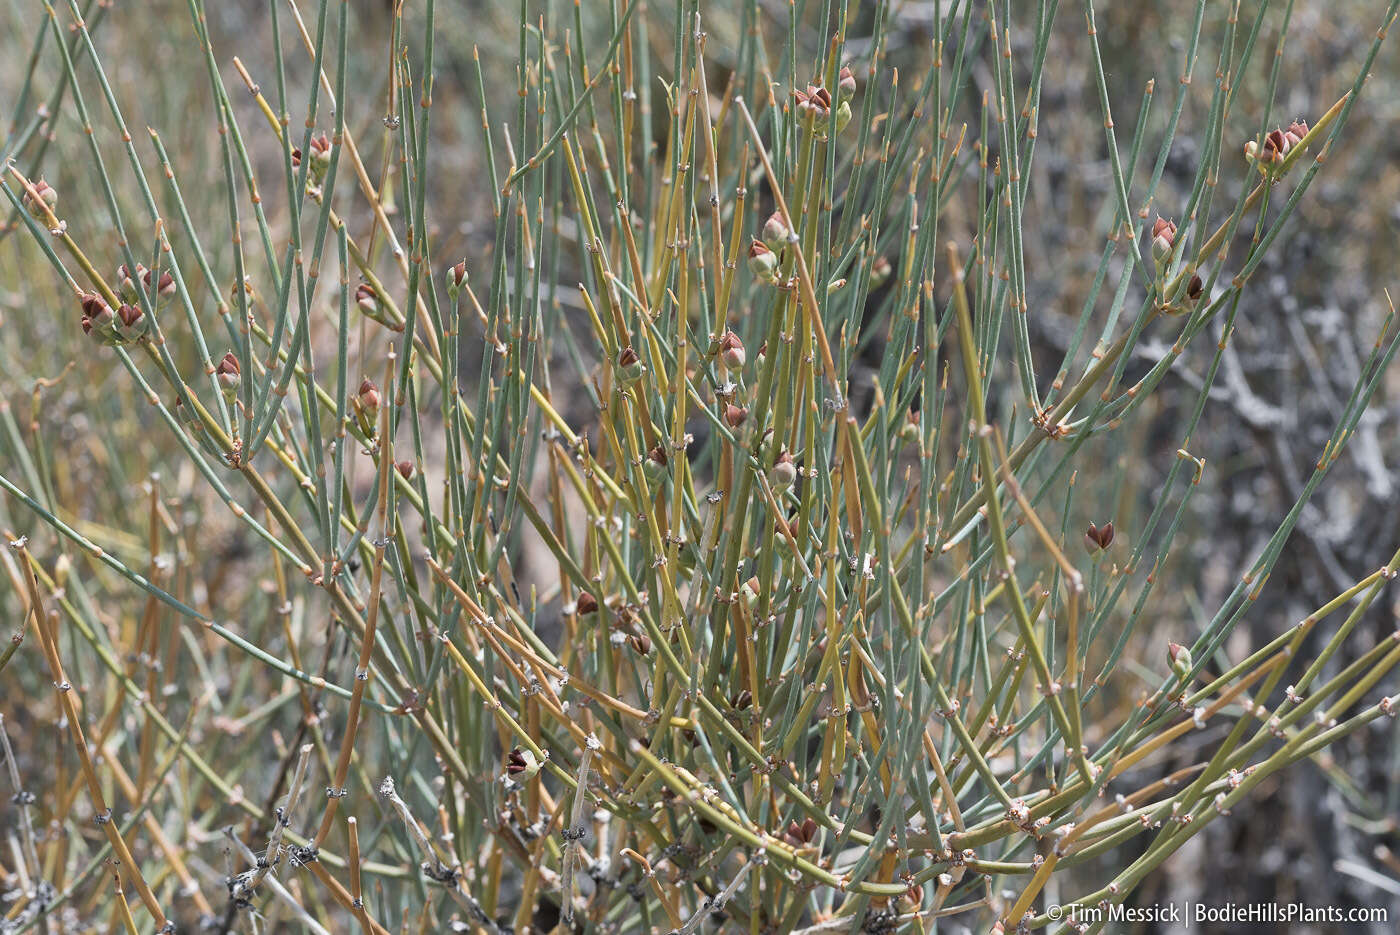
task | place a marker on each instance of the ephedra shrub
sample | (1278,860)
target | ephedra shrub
(709,540)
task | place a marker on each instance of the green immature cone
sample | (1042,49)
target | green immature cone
(41,197)
(456,278)
(912,900)
(629,367)
(1163,239)
(99,321)
(366,402)
(127,283)
(784,472)
(1180,658)
(368,398)
(765,445)
(654,466)
(880,272)
(801,836)
(191,424)
(1295,133)
(731,351)
(245,289)
(909,431)
(521,766)
(1278,143)
(775,231)
(748,593)
(131,324)
(816,103)
(845,84)
(1098,538)
(320,158)
(228,373)
(163,289)
(367,299)
(763,263)
(843,116)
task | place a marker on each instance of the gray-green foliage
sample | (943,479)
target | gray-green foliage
(708,550)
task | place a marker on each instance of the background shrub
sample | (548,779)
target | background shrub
(628,467)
